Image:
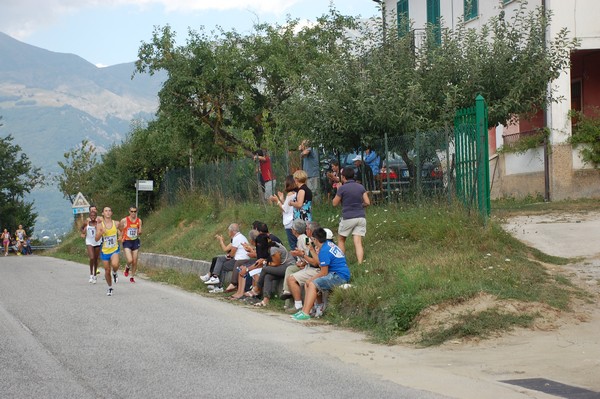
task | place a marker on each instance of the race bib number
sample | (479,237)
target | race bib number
(132,233)
(110,242)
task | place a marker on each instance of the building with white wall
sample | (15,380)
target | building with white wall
(564,175)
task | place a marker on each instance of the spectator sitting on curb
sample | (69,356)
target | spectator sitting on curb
(334,272)
(309,266)
(235,256)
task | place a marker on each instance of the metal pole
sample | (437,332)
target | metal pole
(136,193)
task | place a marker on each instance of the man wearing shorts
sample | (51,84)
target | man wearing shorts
(109,231)
(131,231)
(88,231)
(307,264)
(20,236)
(334,272)
(354,198)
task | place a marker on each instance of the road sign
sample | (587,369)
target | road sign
(80,202)
(83,209)
(145,185)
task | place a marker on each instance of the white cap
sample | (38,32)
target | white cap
(329,234)
(357,158)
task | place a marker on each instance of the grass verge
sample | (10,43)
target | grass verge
(417,256)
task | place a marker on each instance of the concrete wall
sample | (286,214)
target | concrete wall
(184,265)
(570,177)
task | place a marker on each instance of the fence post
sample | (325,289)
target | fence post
(483,158)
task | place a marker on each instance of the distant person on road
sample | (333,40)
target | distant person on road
(5,241)
(354,198)
(109,231)
(131,231)
(310,164)
(27,250)
(20,236)
(88,231)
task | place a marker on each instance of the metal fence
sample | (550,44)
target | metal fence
(411,166)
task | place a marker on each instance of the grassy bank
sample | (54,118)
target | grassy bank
(417,256)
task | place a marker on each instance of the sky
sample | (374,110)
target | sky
(109,32)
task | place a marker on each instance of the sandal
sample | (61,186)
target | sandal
(235,298)
(231,288)
(251,293)
(260,304)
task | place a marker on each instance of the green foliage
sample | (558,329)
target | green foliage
(224,87)
(586,133)
(417,256)
(77,171)
(18,178)
(528,142)
(409,84)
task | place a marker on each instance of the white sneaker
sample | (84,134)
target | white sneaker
(205,277)
(94,279)
(216,290)
(213,281)
(91,280)
(109,292)
(115,278)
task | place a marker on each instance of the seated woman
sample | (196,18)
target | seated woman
(273,271)
(246,275)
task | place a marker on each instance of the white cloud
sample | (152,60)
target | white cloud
(20,18)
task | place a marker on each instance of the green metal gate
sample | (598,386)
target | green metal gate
(472,157)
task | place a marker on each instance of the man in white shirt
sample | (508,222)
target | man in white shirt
(235,255)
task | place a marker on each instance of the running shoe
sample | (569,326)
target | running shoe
(212,281)
(301,316)
(91,280)
(94,279)
(126,272)
(131,280)
(205,277)
(115,278)
(109,292)
(216,290)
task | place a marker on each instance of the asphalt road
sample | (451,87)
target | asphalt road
(61,337)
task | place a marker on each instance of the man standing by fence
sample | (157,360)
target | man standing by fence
(266,172)
(310,164)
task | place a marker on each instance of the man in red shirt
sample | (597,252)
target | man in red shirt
(266,172)
(132,229)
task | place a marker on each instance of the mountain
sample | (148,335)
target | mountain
(50,102)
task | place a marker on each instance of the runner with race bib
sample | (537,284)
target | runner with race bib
(132,229)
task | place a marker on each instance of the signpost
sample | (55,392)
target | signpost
(142,185)
(80,205)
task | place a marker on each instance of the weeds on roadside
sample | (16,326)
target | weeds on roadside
(417,255)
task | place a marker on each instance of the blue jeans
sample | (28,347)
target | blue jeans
(292,239)
(329,282)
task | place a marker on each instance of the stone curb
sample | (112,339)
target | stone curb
(184,265)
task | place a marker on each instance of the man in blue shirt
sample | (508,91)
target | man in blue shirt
(334,272)
(354,198)
(310,164)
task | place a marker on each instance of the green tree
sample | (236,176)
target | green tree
(399,88)
(19,177)
(77,171)
(226,87)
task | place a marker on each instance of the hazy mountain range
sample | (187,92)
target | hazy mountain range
(50,102)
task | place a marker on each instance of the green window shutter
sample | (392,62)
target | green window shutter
(471,9)
(433,18)
(403,17)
